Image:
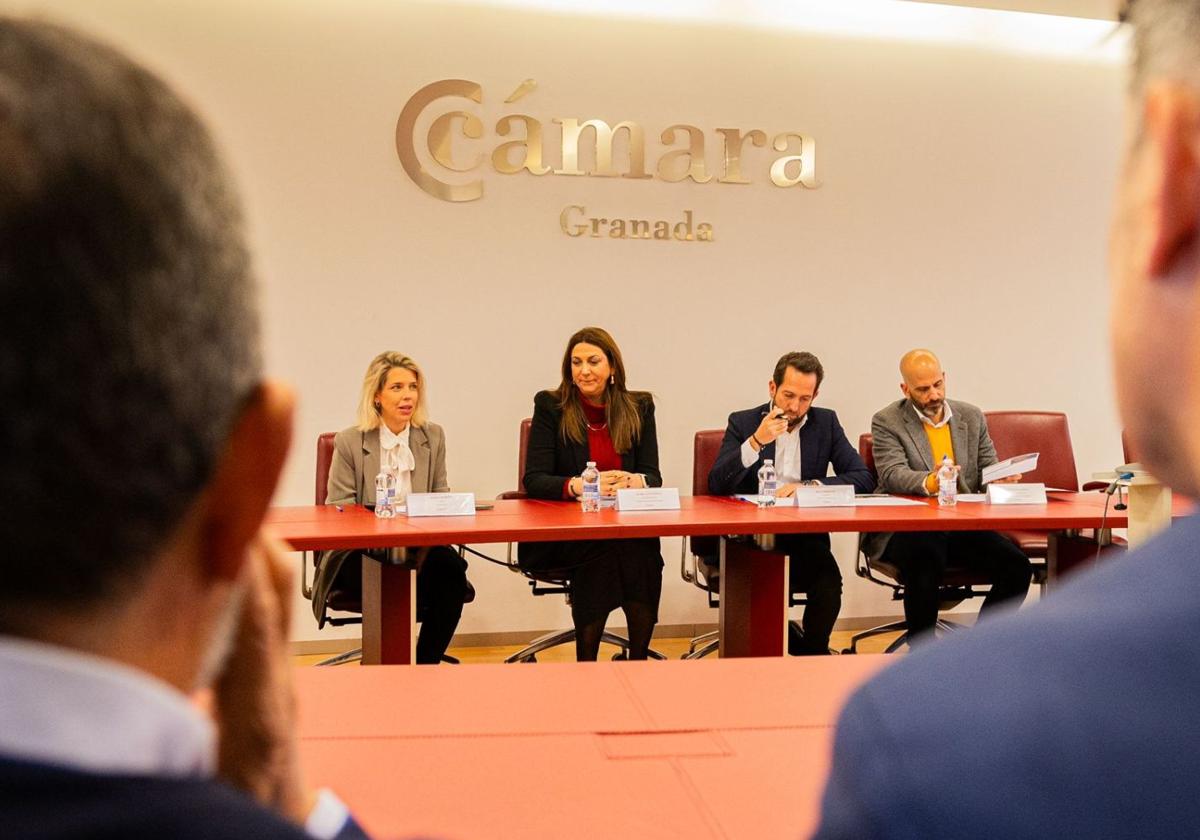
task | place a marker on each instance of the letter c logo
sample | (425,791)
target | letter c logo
(439,138)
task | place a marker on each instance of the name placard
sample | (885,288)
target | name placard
(825,495)
(441,504)
(648,498)
(1016,494)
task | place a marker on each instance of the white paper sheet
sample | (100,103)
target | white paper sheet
(885,501)
(1016,465)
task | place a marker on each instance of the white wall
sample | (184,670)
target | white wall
(963,205)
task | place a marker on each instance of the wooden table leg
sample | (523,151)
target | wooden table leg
(389,602)
(754,600)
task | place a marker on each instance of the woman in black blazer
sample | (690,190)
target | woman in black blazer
(592,417)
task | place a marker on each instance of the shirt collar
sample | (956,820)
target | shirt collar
(947,413)
(389,439)
(88,713)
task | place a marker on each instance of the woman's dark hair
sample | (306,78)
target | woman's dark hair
(622,407)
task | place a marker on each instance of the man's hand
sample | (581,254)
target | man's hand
(771,427)
(1012,479)
(254,706)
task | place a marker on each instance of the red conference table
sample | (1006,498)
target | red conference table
(580,750)
(754,579)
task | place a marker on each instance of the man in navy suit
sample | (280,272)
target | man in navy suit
(1077,717)
(804,442)
(139,449)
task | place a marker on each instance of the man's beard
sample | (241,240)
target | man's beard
(223,636)
(932,409)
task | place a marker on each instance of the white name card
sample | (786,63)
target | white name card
(648,498)
(1016,494)
(441,504)
(825,495)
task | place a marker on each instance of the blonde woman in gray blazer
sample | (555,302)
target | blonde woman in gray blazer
(393,427)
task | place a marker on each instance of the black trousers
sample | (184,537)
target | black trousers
(441,588)
(922,558)
(604,574)
(813,571)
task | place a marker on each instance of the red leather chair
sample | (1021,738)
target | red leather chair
(1127,448)
(705,446)
(549,584)
(1047,433)
(958,585)
(339,600)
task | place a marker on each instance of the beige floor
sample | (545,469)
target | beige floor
(672,648)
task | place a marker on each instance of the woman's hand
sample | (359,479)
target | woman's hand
(613,480)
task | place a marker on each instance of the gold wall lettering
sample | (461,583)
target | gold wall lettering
(530,142)
(575,222)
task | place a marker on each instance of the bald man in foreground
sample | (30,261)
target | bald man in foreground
(910,439)
(1078,716)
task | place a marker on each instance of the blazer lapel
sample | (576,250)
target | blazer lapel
(370,466)
(964,455)
(916,431)
(418,442)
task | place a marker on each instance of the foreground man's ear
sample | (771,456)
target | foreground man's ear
(1171,126)
(241,488)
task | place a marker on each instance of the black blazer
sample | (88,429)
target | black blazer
(550,461)
(822,442)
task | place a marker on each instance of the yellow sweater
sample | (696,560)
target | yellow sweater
(940,443)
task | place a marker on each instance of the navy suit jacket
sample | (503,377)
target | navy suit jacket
(822,442)
(1076,717)
(55,803)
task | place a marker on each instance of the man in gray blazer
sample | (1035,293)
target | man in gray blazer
(910,438)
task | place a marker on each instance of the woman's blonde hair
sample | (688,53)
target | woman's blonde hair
(373,381)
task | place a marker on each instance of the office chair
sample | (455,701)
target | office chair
(1047,433)
(339,600)
(958,584)
(543,583)
(706,445)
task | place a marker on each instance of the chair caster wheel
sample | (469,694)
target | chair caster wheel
(532,659)
(620,656)
(848,651)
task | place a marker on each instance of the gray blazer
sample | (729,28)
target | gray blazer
(352,481)
(356,463)
(903,456)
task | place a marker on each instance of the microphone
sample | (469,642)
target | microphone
(1116,486)
(1116,482)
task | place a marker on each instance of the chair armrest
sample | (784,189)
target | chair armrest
(688,574)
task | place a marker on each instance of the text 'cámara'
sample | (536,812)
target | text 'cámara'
(455,140)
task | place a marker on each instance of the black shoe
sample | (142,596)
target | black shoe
(795,639)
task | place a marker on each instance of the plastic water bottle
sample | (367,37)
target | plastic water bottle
(768,482)
(947,483)
(385,494)
(589,499)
